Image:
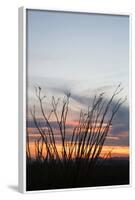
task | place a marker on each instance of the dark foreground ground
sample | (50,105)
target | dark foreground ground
(56,175)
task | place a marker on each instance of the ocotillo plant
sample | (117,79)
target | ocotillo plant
(88,136)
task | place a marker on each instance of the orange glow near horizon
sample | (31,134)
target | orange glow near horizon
(115,151)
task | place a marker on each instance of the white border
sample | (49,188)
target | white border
(130,97)
(22,97)
(22,101)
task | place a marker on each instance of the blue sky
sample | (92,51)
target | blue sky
(81,53)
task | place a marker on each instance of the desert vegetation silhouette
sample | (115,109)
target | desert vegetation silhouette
(77,161)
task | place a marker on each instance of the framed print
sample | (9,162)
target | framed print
(74,125)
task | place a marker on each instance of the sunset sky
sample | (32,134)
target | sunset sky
(85,54)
